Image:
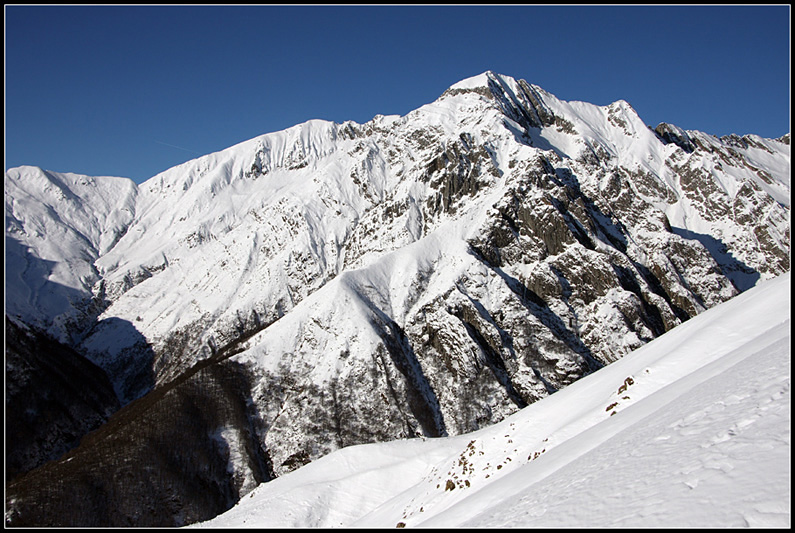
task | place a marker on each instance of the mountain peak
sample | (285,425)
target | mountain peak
(330,285)
(481,83)
(479,80)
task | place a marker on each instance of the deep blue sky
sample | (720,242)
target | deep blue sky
(132,91)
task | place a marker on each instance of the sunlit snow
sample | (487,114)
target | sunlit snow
(690,430)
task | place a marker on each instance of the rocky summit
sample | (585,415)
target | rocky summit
(242,314)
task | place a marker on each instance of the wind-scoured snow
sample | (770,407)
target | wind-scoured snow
(691,430)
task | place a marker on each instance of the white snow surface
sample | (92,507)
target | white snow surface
(57,226)
(690,430)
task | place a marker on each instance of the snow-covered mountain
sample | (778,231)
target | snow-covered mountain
(691,430)
(339,284)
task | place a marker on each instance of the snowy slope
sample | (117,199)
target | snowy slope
(691,430)
(57,226)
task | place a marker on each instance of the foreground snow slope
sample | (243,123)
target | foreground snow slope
(690,430)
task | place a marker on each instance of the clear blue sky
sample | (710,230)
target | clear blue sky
(131,91)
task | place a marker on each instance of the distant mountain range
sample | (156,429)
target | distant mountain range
(171,345)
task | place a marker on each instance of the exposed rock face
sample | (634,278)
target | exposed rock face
(672,134)
(424,275)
